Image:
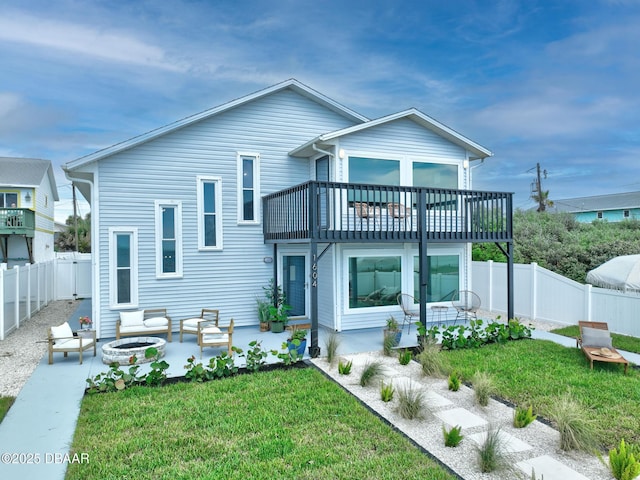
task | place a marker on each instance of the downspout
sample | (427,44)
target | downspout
(95,251)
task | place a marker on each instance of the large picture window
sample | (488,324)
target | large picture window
(444,277)
(209,213)
(123,267)
(374,281)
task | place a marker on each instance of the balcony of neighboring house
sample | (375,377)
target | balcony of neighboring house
(17,221)
(345,212)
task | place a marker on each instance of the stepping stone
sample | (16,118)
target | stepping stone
(460,417)
(549,468)
(435,401)
(509,442)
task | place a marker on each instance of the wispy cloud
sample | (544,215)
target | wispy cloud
(80,39)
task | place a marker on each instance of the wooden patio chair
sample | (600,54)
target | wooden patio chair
(595,341)
(190,325)
(62,339)
(406,303)
(466,303)
(210,334)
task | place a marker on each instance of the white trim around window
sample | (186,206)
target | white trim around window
(123,267)
(248,188)
(209,199)
(168,238)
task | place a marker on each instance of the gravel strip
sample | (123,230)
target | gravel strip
(427,432)
(22,350)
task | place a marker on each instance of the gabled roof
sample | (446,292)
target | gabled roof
(292,84)
(614,201)
(26,173)
(478,151)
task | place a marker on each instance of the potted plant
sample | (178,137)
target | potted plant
(85,323)
(392,333)
(278,317)
(263,314)
(298,340)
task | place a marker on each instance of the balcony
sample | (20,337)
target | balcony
(345,212)
(17,221)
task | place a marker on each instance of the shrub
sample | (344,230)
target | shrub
(388,342)
(491,452)
(523,416)
(344,368)
(405,356)
(433,363)
(483,388)
(577,430)
(332,343)
(624,461)
(386,392)
(370,372)
(452,437)
(454,381)
(256,356)
(411,403)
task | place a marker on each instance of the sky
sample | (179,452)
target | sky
(555,83)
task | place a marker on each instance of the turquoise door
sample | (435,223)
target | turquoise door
(294,284)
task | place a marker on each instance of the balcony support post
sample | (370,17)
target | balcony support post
(423,260)
(510,307)
(314,349)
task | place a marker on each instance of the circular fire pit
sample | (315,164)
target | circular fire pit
(122,350)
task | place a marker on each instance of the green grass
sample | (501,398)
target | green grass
(279,424)
(5,404)
(620,342)
(537,372)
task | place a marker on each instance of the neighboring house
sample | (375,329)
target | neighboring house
(612,208)
(286,183)
(27,195)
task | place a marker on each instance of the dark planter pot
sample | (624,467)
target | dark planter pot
(299,348)
(397,336)
(277,327)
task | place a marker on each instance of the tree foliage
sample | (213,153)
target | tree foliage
(558,242)
(66,241)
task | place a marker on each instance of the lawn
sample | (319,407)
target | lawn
(5,404)
(621,342)
(536,372)
(285,424)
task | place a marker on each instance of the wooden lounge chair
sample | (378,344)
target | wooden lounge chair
(210,334)
(62,339)
(595,341)
(190,325)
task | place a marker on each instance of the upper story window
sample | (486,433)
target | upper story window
(437,175)
(8,200)
(123,267)
(209,213)
(248,187)
(168,238)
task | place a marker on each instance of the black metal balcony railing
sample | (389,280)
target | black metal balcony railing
(17,221)
(343,212)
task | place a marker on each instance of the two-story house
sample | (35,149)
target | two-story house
(345,212)
(27,195)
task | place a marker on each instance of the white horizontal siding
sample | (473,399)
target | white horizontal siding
(166,169)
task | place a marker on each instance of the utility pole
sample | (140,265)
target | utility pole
(536,189)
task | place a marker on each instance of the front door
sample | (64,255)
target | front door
(294,284)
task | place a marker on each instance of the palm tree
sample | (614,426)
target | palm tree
(542,199)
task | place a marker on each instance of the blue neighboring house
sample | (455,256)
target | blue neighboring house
(615,207)
(345,212)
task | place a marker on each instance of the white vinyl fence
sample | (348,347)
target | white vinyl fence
(540,294)
(24,290)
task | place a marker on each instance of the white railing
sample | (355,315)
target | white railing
(540,294)
(24,290)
